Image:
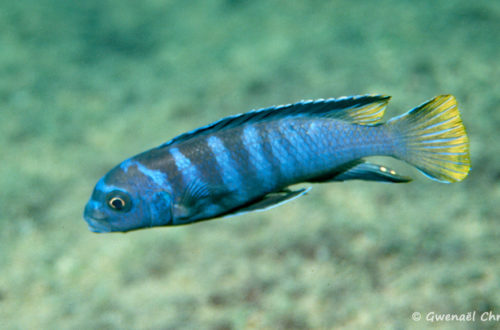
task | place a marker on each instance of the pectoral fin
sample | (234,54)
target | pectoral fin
(269,201)
(196,196)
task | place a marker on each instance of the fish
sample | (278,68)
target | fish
(249,162)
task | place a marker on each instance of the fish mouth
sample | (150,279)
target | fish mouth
(96,226)
(98,230)
(96,220)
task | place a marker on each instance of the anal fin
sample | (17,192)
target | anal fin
(361,170)
(371,172)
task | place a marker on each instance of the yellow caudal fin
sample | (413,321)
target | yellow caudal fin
(432,138)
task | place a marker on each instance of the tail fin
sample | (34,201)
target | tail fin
(433,139)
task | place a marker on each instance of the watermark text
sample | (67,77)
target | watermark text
(471,316)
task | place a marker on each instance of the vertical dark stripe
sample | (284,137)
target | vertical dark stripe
(281,154)
(252,141)
(228,168)
(160,178)
(184,166)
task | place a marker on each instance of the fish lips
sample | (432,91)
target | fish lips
(96,220)
(96,227)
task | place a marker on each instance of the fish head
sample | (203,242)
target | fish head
(127,198)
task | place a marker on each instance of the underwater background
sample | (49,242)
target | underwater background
(84,85)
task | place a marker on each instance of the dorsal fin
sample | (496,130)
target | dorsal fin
(363,110)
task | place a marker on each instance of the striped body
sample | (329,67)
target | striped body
(253,160)
(247,162)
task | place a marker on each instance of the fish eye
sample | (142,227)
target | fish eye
(118,201)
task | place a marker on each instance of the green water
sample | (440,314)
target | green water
(86,84)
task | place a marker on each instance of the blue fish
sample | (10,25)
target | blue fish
(247,162)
